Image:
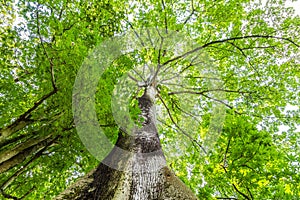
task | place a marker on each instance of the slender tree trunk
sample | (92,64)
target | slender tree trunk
(139,175)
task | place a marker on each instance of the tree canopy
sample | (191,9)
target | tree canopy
(228,102)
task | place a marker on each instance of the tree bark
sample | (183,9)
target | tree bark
(17,155)
(140,174)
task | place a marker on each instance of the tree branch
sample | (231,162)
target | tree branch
(206,91)
(185,112)
(21,156)
(44,49)
(22,169)
(227,40)
(8,196)
(136,34)
(236,189)
(191,14)
(222,102)
(24,119)
(225,164)
(172,119)
(250,193)
(166,21)
(10,153)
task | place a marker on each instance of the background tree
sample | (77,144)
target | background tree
(255,51)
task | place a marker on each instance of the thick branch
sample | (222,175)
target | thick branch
(21,156)
(22,169)
(24,119)
(206,91)
(6,155)
(227,40)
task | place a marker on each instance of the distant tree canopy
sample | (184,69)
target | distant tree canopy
(249,151)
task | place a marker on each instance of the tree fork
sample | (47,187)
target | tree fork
(144,174)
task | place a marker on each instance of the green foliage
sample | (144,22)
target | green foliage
(247,66)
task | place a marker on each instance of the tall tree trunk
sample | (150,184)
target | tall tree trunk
(139,175)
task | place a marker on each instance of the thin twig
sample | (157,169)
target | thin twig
(236,189)
(166,21)
(182,131)
(44,49)
(191,14)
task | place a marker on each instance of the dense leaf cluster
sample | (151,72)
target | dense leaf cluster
(228,106)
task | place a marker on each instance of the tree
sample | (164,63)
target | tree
(219,124)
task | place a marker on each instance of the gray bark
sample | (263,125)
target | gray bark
(17,155)
(144,174)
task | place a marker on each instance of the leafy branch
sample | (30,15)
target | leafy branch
(227,40)
(24,119)
(236,189)
(176,125)
(191,13)
(165,15)
(206,91)
(22,169)
(44,49)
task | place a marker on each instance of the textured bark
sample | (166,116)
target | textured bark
(5,132)
(22,151)
(8,154)
(143,175)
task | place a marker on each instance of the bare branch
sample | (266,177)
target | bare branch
(170,78)
(225,164)
(264,47)
(149,37)
(181,71)
(132,78)
(217,100)
(136,34)
(160,48)
(241,193)
(242,52)
(203,77)
(137,73)
(187,113)
(186,92)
